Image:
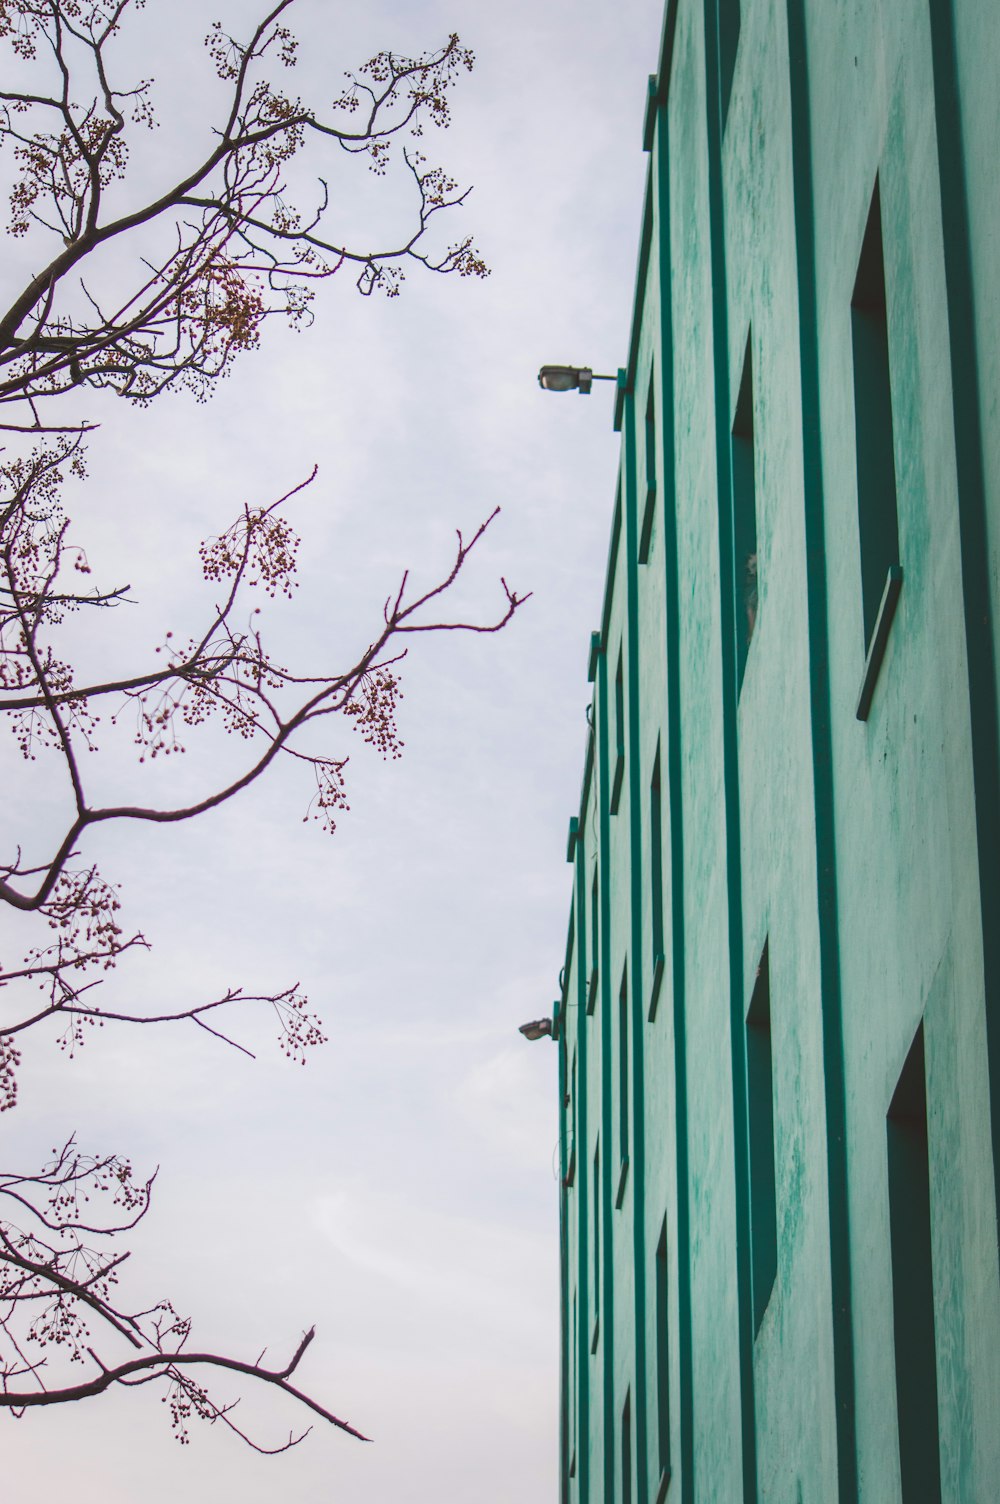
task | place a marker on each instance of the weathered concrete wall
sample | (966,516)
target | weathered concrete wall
(732,1314)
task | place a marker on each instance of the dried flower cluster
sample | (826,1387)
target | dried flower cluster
(222,672)
(235,250)
(58,1268)
(60,1271)
(234,246)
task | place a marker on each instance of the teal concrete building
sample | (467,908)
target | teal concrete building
(779,1024)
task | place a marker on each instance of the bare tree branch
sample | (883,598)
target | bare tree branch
(216,253)
(168,1366)
(235,249)
(222,671)
(54,1287)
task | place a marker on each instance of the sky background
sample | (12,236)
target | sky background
(400,1191)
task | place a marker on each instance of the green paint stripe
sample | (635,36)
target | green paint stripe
(611,575)
(973,528)
(564,1365)
(665,429)
(607,1309)
(637,994)
(728,665)
(588,773)
(645,244)
(822,756)
(582,1189)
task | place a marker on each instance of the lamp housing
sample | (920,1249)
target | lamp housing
(566,379)
(538,1028)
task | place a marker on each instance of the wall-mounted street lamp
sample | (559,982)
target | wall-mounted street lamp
(537,1029)
(569,379)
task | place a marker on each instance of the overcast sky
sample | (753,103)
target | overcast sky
(399,1192)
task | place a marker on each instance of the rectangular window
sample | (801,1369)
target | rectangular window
(878,521)
(913,1283)
(662,1360)
(573,1392)
(571,1104)
(627,1450)
(746,560)
(656,882)
(594,935)
(729,39)
(649,504)
(619,765)
(760,1107)
(623,1084)
(597,1245)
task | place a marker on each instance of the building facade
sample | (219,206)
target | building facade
(779,1022)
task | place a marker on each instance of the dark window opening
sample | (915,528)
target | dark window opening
(729,40)
(913,1283)
(619,767)
(649,504)
(760,1106)
(623,1084)
(656,882)
(627,1451)
(745,554)
(656,857)
(594,934)
(597,1244)
(662,1355)
(878,520)
(571,1104)
(574,1359)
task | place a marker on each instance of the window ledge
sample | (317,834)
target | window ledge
(622,1178)
(880,637)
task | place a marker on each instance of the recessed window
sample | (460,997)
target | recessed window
(574,1383)
(878,519)
(627,1450)
(571,1104)
(623,1084)
(594,937)
(597,1245)
(729,40)
(619,763)
(913,1283)
(760,1108)
(746,556)
(656,883)
(649,501)
(662,1357)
